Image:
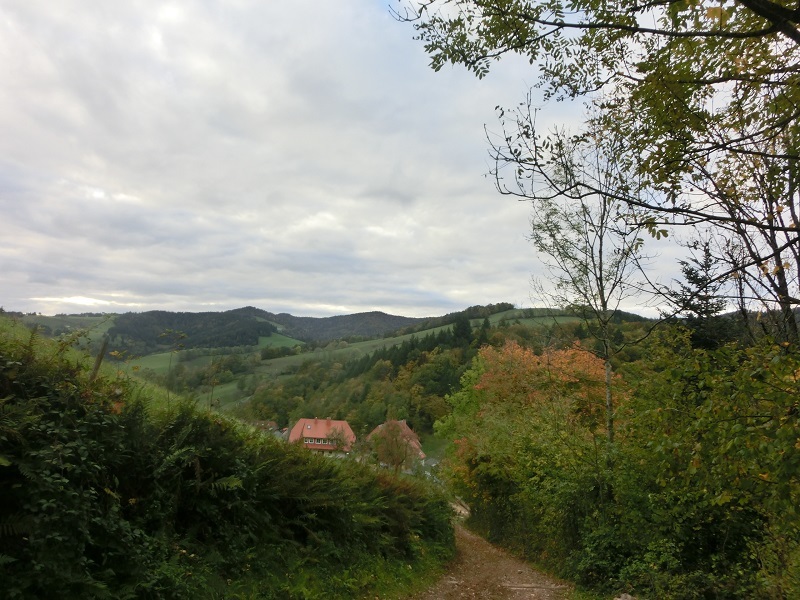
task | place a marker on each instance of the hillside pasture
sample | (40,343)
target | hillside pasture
(532,317)
(337,351)
(231,393)
(159,363)
(278,340)
(92,327)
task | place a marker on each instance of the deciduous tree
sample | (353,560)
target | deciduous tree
(590,242)
(706,97)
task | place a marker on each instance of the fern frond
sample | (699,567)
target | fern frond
(16,525)
(27,471)
(231,482)
(5,559)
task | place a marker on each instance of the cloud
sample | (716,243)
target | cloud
(296,156)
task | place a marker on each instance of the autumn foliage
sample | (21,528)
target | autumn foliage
(699,499)
(571,377)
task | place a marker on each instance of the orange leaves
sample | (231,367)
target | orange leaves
(571,379)
(516,373)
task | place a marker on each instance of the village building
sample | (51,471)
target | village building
(396,445)
(323,435)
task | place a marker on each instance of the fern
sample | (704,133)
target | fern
(226,484)
(28,472)
(15,417)
(16,525)
(28,351)
(180,457)
(5,559)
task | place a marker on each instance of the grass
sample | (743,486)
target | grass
(540,317)
(227,395)
(277,340)
(94,327)
(341,352)
(433,446)
(156,362)
(223,395)
(160,362)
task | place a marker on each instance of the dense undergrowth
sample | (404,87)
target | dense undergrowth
(103,497)
(697,497)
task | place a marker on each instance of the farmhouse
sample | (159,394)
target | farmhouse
(323,435)
(396,445)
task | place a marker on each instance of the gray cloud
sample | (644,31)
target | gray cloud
(299,156)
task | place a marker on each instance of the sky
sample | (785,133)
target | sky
(297,155)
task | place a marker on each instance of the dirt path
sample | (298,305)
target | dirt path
(481,570)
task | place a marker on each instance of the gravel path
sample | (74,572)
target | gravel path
(480,570)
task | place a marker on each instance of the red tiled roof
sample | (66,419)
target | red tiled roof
(321,429)
(406,433)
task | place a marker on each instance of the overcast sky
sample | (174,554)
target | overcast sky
(299,156)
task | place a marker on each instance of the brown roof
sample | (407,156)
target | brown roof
(406,433)
(321,429)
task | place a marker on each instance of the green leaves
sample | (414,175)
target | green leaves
(103,499)
(702,97)
(719,435)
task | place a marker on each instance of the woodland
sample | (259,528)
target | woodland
(693,496)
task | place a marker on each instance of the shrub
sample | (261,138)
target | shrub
(101,498)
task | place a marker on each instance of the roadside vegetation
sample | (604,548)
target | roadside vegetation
(665,464)
(108,495)
(694,496)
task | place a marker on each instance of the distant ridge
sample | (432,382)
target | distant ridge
(322,329)
(152,330)
(140,333)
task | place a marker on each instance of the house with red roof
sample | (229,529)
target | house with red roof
(323,435)
(396,444)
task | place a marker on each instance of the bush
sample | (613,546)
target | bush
(696,498)
(103,499)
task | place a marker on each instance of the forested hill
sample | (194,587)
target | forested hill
(243,327)
(157,328)
(153,330)
(323,329)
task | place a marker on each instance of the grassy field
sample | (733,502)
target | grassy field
(531,317)
(277,340)
(156,362)
(94,327)
(340,351)
(160,362)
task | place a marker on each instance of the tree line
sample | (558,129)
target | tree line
(152,331)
